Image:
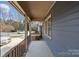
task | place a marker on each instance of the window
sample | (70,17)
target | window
(48,26)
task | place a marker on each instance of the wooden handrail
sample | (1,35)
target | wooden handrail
(17,51)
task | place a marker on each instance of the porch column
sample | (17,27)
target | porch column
(30,28)
(26,32)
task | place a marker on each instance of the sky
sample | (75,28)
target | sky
(7,8)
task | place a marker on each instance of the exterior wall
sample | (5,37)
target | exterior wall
(65,29)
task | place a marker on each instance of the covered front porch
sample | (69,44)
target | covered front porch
(30,42)
(49,28)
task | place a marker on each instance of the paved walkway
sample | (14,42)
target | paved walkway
(39,49)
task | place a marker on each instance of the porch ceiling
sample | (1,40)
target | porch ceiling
(36,10)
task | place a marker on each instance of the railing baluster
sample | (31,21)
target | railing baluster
(17,51)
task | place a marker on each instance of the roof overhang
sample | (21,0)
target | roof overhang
(35,10)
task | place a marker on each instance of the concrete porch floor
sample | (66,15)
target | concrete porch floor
(39,49)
